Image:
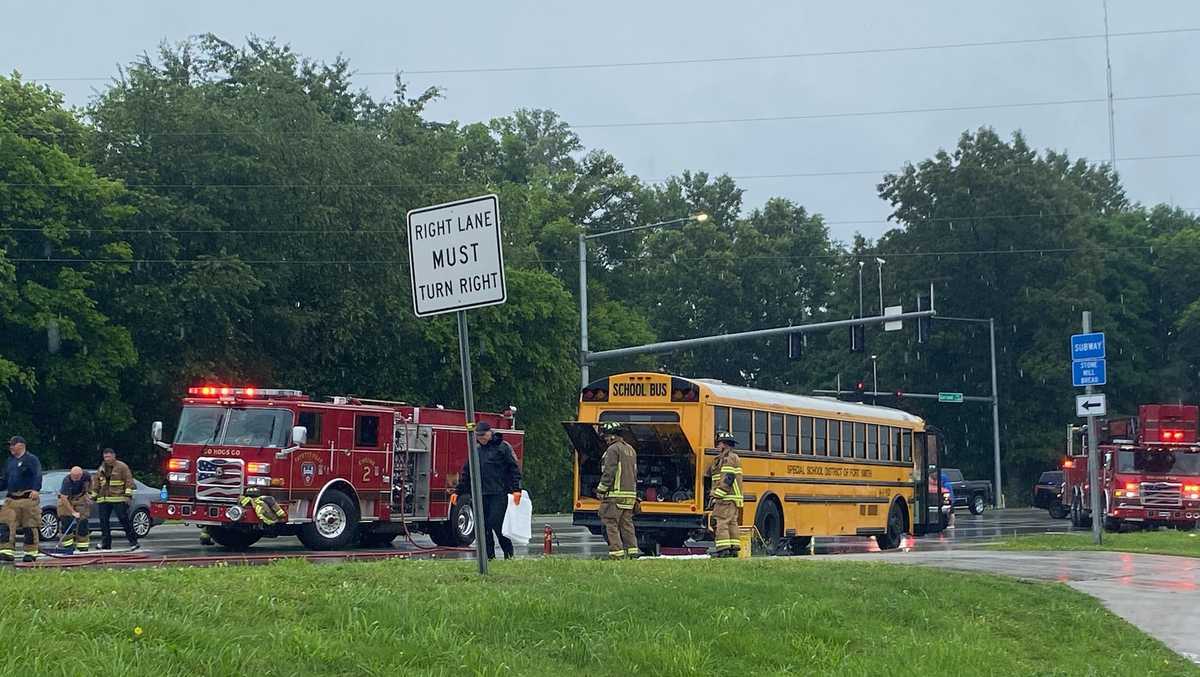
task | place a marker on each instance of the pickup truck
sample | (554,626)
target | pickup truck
(972,494)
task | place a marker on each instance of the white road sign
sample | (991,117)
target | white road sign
(1091,405)
(455,256)
(898,324)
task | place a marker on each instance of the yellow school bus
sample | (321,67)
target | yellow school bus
(812,466)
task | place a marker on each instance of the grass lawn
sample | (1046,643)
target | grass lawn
(562,617)
(1153,542)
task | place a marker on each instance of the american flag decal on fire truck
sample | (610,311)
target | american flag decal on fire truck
(219,479)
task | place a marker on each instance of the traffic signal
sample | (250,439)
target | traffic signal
(860,389)
(924,324)
(796,343)
(899,395)
(858,338)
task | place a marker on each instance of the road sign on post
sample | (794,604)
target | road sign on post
(950,398)
(456,262)
(455,259)
(1091,405)
(1087,370)
(890,311)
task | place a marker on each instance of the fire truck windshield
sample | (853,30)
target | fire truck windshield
(1158,462)
(242,427)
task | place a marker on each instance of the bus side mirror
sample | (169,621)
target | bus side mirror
(299,435)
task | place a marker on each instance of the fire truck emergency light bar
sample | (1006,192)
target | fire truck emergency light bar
(225,391)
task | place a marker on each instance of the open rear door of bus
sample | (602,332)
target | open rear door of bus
(666,461)
(929,485)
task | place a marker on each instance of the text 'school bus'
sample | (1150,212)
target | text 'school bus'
(347,472)
(812,466)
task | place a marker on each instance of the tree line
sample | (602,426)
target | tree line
(235,214)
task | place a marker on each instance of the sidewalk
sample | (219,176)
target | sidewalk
(1159,594)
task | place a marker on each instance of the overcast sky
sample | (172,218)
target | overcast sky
(89,39)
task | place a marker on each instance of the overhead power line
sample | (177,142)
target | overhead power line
(446,70)
(635,259)
(435,185)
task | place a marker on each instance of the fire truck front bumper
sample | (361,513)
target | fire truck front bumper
(1155,515)
(210,513)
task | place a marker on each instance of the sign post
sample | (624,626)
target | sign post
(1088,370)
(455,263)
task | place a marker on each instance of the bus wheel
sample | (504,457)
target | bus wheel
(672,538)
(769,523)
(890,540)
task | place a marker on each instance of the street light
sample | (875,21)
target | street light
(875,379)
(699,217)
(880,262)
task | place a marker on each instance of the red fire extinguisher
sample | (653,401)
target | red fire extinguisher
(548,541)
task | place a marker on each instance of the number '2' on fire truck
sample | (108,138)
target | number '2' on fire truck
(250,462)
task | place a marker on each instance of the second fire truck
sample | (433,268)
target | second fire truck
(250,463)
(1149,472)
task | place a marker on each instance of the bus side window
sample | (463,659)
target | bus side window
(835,438)
(872,442)
(720,419)
(906,445)
(792,434)
(777,433)
(806,435)
(885,443)
(860,440)
(740,427)
(847,439)
(760,431)
(820,426)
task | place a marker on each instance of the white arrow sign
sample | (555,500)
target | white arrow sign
(1091,405)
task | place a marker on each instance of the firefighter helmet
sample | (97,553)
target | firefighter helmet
(611,427)
(726,437)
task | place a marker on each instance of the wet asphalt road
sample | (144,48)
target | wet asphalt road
(970,530)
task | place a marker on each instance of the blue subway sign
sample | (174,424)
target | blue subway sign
(1087,346)
(1088,373)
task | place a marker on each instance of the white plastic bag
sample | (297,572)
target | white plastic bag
(518,520)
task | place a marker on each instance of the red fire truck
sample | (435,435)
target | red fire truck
(250,463)
(1150,469)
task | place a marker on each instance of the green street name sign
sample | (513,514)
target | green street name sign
(950,398)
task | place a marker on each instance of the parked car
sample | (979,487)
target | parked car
(139,508)
(1047,493)
(972,494)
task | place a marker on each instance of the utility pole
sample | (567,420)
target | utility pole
(861,313)
(1112,131)
(875,379)
(1093,458)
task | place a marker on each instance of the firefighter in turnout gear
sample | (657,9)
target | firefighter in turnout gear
(74,508)
(726,496)
(617,492)
(113,488)
(22,479)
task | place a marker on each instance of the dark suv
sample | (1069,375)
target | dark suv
(1047,493)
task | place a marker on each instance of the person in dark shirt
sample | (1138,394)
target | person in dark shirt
(22,479)
(499,476)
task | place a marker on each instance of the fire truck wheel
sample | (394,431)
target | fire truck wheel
(334,525)
(1058,510)
(459,528)
(1113,525)
(233,539)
